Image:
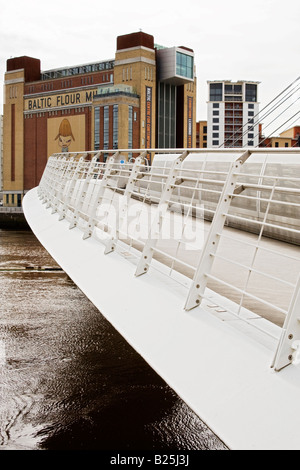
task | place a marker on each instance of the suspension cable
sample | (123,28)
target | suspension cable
(283,100)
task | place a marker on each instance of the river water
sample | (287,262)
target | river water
(68,380)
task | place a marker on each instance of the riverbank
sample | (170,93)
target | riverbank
(12,220)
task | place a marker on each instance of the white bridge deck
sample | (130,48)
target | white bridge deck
(218,322)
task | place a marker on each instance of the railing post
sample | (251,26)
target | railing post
(63,211)
(63,179)
(162,208)
(199,283)
(288,350)
(43,179)
(85,185)
(47,177)
(102,186)
(111,243)
(54,180)
(58,176)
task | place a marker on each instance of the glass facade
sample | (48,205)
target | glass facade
(106,128)
(216,92)
(97,129)
(82,69)
(130,115)
(115,126)
(233,89)
(251,92)
(184,65)
(233,92)
(166,115)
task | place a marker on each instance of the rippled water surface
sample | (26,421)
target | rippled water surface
(68,380)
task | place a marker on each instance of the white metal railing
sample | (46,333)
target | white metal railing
(180,216)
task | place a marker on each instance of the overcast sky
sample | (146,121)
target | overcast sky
(235,40)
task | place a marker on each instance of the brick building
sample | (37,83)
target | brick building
(143,98)
(294,134)
(201,134)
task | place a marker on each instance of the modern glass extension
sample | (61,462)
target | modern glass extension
(184,65)
(166,115)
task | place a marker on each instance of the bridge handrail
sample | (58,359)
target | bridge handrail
(79,185)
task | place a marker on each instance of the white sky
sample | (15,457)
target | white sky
(233,39)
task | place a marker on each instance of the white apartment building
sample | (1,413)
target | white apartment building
(232,114)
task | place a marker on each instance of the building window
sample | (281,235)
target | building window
(216,120)
(215,128)
(184,65)
(115,126)
(106,128)
(130,114)
(276,144)
(215,135)
(13,92)
(286,144)
(97,129)
(216,93)
(166,115)
(250,106)
(251,92)
(250,143)
(250,113)
(215,113)
(233,89)
(216,105)
(215,142)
